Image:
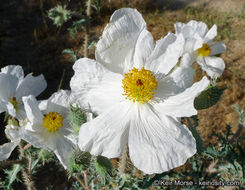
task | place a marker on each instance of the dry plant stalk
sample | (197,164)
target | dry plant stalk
(87,28)
(123,161)
(26,171)
(81,181)
(7,163)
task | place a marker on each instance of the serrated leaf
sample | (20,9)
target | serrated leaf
(208,97)
(12,174)
(73,29)
(72,53)
(103,165)
(78,162)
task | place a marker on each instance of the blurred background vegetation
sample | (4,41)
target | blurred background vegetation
(47,36)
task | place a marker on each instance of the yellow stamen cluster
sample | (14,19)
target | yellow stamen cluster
(139,85)
(14,102)
(52,121)
(205,50)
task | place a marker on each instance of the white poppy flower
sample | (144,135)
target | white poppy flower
(50,128)
(14,133)
(199,47)
(136,96)
(16,86)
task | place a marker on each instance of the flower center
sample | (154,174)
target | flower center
(205,50)
(52,121)
(14,102)
(139,85)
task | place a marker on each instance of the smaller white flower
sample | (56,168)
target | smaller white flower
(49,128)
(14,86)
(199,47)
(14,133)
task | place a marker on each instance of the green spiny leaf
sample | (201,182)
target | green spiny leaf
(45,156)
(78,162)
(12,175)
(77,116)
(103,166)
(59,15)
(208,97)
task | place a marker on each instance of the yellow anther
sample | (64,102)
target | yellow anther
(205,50)
(139,85)
(53,121)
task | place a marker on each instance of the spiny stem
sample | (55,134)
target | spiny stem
(123,161)
(6,163)
(85,177)
(26,172)
(80,180)
(87,28)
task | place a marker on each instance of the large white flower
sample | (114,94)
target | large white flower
(136,96)
(14,86)
(50,128)
(199,47)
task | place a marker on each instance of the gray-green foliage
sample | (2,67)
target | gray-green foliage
(45,156)
(240,112)
(77,117)
(192,124)
(208,97)
(12,175)
(78,162)
(59,15)
(75,26)
(103,165)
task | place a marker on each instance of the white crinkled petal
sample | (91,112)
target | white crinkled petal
(218,48)
(183,77)
(182,104)
(178,27)
(191,29)
(180,79)
(6,106)
(9,84)
(158,143)
(107,134)
(43,104)
(188,59)
(211,34)
(143,48)
(213,66)
(13,132)
(198,27)
(55,142)
(7,148)
(61,97)
(59,102)
(33,113)
(165,62)
(63,150)
(159,49)
(15,70)
(116,47)
(31,85)
(192,44)
(93,86)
